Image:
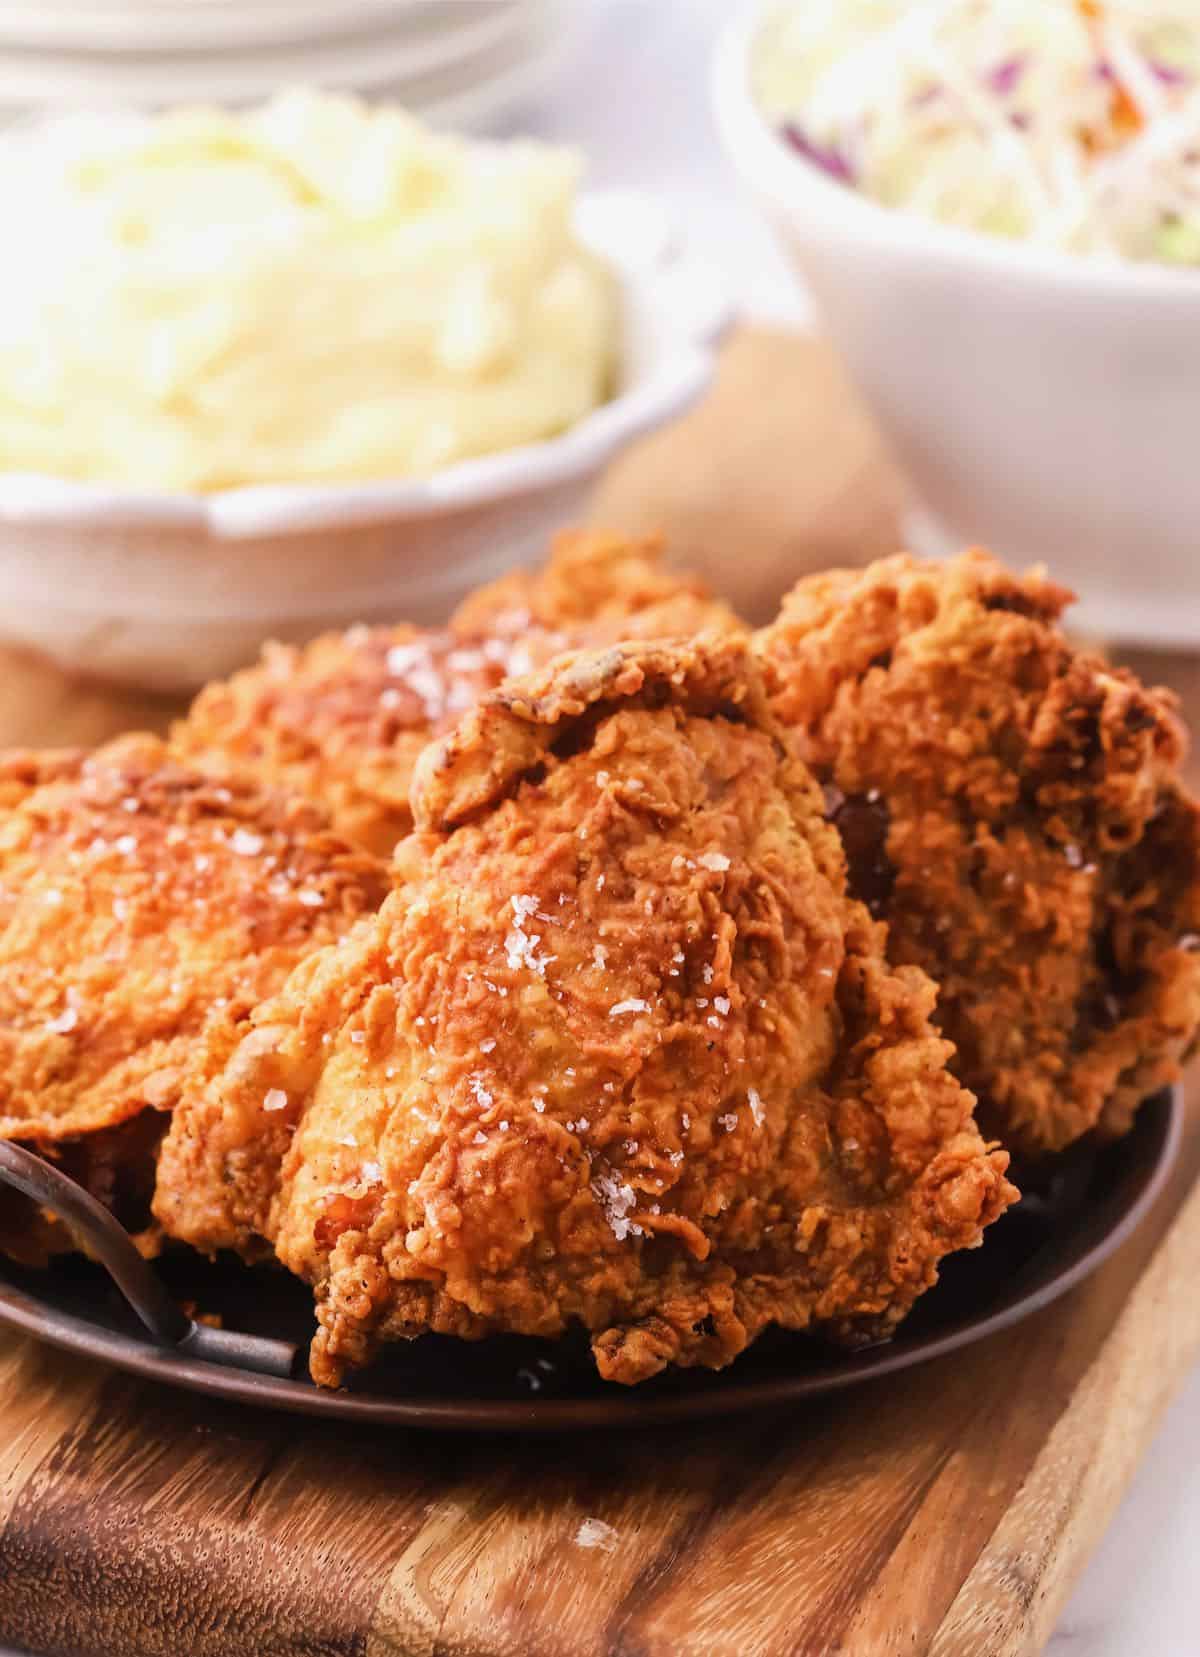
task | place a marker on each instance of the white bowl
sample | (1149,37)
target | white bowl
(167,590)
(425,72)
(1044,404)
(434,34)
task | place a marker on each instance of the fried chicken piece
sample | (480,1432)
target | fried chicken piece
(1011,806)
(144,911)
(596,589)
(342,719)
(617,1052)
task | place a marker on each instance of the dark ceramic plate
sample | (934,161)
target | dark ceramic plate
(1064,1227)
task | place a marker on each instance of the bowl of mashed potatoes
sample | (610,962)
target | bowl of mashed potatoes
(275,371)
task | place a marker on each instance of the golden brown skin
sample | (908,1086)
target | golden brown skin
(144,911)
(342,720)
(1011,806)
(596,589)
(617,1052)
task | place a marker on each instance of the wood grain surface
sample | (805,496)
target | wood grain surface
(946,1510)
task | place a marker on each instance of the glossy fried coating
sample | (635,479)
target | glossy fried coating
(342,720)
(1011,806)
(144,911)
(617,1052)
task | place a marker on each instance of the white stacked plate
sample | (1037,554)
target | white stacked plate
(457,62)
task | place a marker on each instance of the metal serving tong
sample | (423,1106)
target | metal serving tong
(104,1239)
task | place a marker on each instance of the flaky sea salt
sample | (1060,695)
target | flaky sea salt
(716,861)
(521,947)
(634,1005)
(64,1023)
(246,844)
(756,1106)
(616,1199)
(275,1099)
(594,1533)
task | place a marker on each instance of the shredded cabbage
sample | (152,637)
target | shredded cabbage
(1070,123)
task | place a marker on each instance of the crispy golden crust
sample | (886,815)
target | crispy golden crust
(596,589)
(24,769)
(1012,808)
(616,1052)
(144,910)
(343,719)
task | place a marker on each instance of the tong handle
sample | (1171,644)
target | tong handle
(101,1236)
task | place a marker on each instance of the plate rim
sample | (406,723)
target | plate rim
(622,1408)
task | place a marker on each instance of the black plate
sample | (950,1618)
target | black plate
(1064,1227)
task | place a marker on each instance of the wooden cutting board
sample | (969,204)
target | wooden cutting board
(944,1511)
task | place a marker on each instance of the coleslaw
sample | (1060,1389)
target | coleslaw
(1070,123)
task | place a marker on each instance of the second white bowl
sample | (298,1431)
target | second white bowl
(1043,403)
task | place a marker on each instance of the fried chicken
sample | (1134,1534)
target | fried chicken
(144,911)
(596,589)
(1011,806)
(617,1052)
(342,720)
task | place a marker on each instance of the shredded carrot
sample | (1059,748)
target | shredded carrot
(1126,116)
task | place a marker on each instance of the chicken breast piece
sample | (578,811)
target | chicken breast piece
(1012,807)
(617,1052)
(342,720)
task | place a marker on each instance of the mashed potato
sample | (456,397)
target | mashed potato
(312,291)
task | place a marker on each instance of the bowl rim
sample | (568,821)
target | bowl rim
(790,180)
(633,232)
